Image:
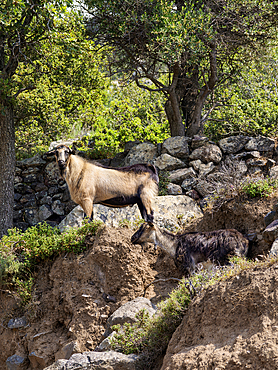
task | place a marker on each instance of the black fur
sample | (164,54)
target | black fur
(216,246)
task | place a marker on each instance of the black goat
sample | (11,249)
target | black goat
(188,249)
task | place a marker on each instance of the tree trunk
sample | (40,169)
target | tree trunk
(7,167)
(174,118)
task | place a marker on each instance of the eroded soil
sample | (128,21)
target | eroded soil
(221,328)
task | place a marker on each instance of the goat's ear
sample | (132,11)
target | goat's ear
(49,154)
(72,150)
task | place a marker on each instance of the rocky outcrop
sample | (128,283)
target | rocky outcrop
(192,165)
(169,211)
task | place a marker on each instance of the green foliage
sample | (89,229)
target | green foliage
(163,182)
(259,187)
(249,104)
(67,88)
(129,113)
(149,336)
(21,252)
(153,334)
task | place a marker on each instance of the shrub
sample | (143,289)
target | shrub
(21,252)
(259,187)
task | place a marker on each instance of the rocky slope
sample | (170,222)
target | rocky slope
(231,325)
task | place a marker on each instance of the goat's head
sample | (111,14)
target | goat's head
(146,233)
(62,154)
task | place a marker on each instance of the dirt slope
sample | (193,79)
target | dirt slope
(233,326)
(69,296)
(70,299)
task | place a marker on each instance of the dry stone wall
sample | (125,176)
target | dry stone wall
(192,164)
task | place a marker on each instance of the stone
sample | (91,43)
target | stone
(52,173)
(22,188)
(178,176)
(31,162)
(166,209)
(105,344)
(40,187)
(207,153)
(257,162)
(268,218)
(274,249)
(198,141)
(176,146)
(166,162)
(27,198)
(174,189)
(17,197)
(131,144)
(46,200)
(18,180)
(273,172)
(127,312)
(204,188)
(31,215)
(206,169)
(245,155)
(97,360)
(270,233)
(261,144)
(118,160)
(58,208)
(19,322)
(233,144)
(37,362)
(44,212)
(16,362)
(142,153)
(188,184)
(67,350)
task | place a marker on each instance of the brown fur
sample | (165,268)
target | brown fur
(90,184)
(188,249)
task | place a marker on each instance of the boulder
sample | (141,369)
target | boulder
(174,189)
(274,249)
(16,362)
(233,144)
(166,210)
(31,162)
(270,233)
(261,144)
(166,162)
(128,311)
(176,146)
(17,323)
(142,153)
(198,141)
(178,176)
(273,172)
(98,361)
(67,350)
(207,153)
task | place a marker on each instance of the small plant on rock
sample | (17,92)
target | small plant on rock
(258,187)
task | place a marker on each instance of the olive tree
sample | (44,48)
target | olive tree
(184,49)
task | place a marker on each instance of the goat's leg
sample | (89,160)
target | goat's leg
(142,210)
(87,205)
(147,205)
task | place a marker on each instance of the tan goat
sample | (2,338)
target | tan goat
(90,183)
